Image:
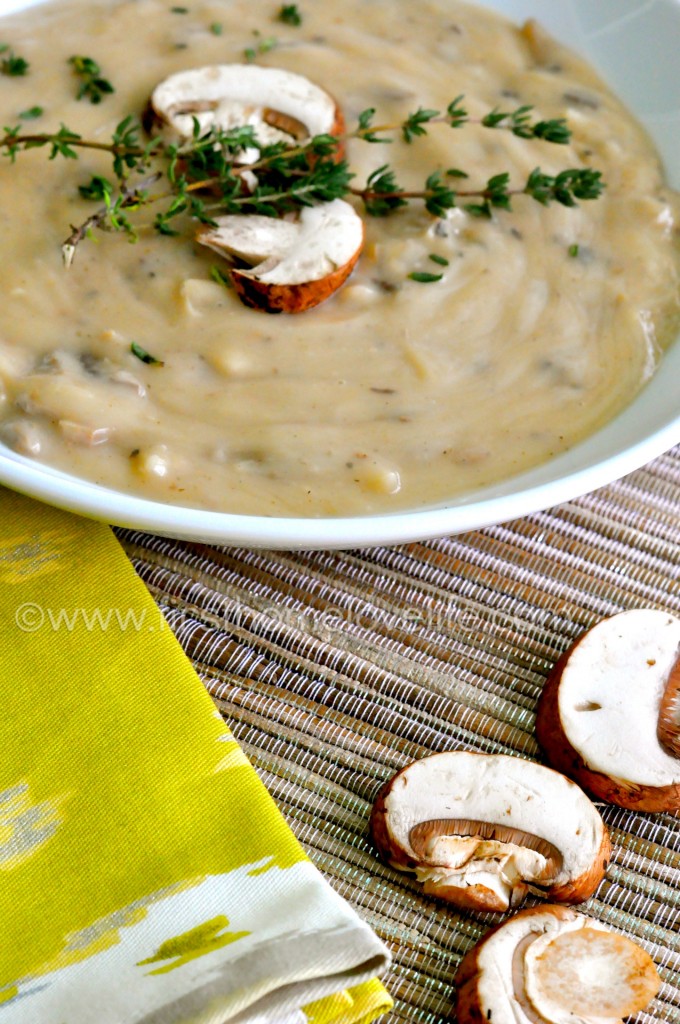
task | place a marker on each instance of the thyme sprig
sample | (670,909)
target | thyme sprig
(518,121)
(204,177)
(112,216)
(31,114)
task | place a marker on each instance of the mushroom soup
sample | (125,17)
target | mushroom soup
(520,335)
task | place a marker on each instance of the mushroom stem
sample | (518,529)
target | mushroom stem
(550,965)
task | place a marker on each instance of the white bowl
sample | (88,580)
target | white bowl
(634,45)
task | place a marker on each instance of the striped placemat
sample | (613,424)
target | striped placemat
(335,669)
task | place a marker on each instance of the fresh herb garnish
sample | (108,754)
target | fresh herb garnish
(179,10)
(423,277)
(290,15)
(15,67)
(217,28)
(219,277)
(414,125)
(262,45)
(441,260)
(145,356)
(31,114)
(93,86)
(382,194)
(205,178)
(97,188)
(573,251)
(566,187)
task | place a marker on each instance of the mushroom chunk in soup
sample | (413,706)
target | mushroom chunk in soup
(421,378)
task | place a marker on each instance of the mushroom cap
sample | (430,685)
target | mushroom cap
(278,103)
(608,714)
(298,263)
(563,843)
(552,965)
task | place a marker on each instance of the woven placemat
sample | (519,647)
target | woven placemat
(335,669)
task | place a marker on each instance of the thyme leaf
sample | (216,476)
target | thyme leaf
(11,65)
(262,44)
(219,277)
(92,86)
(566,187)
(382,194)
(126,148)
(145,356)
(423,277)
(413,126)
(290,15)
(365,131)
(457,114)
(98,188)
(62,144)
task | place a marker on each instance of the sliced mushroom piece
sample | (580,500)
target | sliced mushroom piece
(83,434)
(608,716)
(550,965)
(669,712)
(129,380)
(280,105)
(481,830)
(24,436)
(296,264)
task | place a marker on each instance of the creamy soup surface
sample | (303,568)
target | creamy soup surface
(393,394)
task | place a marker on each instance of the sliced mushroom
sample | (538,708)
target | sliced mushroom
(295,264)
(669,712)
(280,105)
(83,434)
(129,380)
(550,965)
(609,717)
(481,830)
(24,436)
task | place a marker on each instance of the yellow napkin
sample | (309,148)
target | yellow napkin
(145,873)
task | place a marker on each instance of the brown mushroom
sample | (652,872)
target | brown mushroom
(481,830)
(550,965)
(280,105)
(294,264)
(669,712)
(609,713)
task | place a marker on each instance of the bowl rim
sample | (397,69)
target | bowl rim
(277,533)
(619,447)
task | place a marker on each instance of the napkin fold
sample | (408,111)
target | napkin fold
(146,876)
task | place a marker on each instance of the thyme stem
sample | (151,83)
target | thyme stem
(45,139)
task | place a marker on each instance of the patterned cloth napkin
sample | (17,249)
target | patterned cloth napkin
(145,873)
